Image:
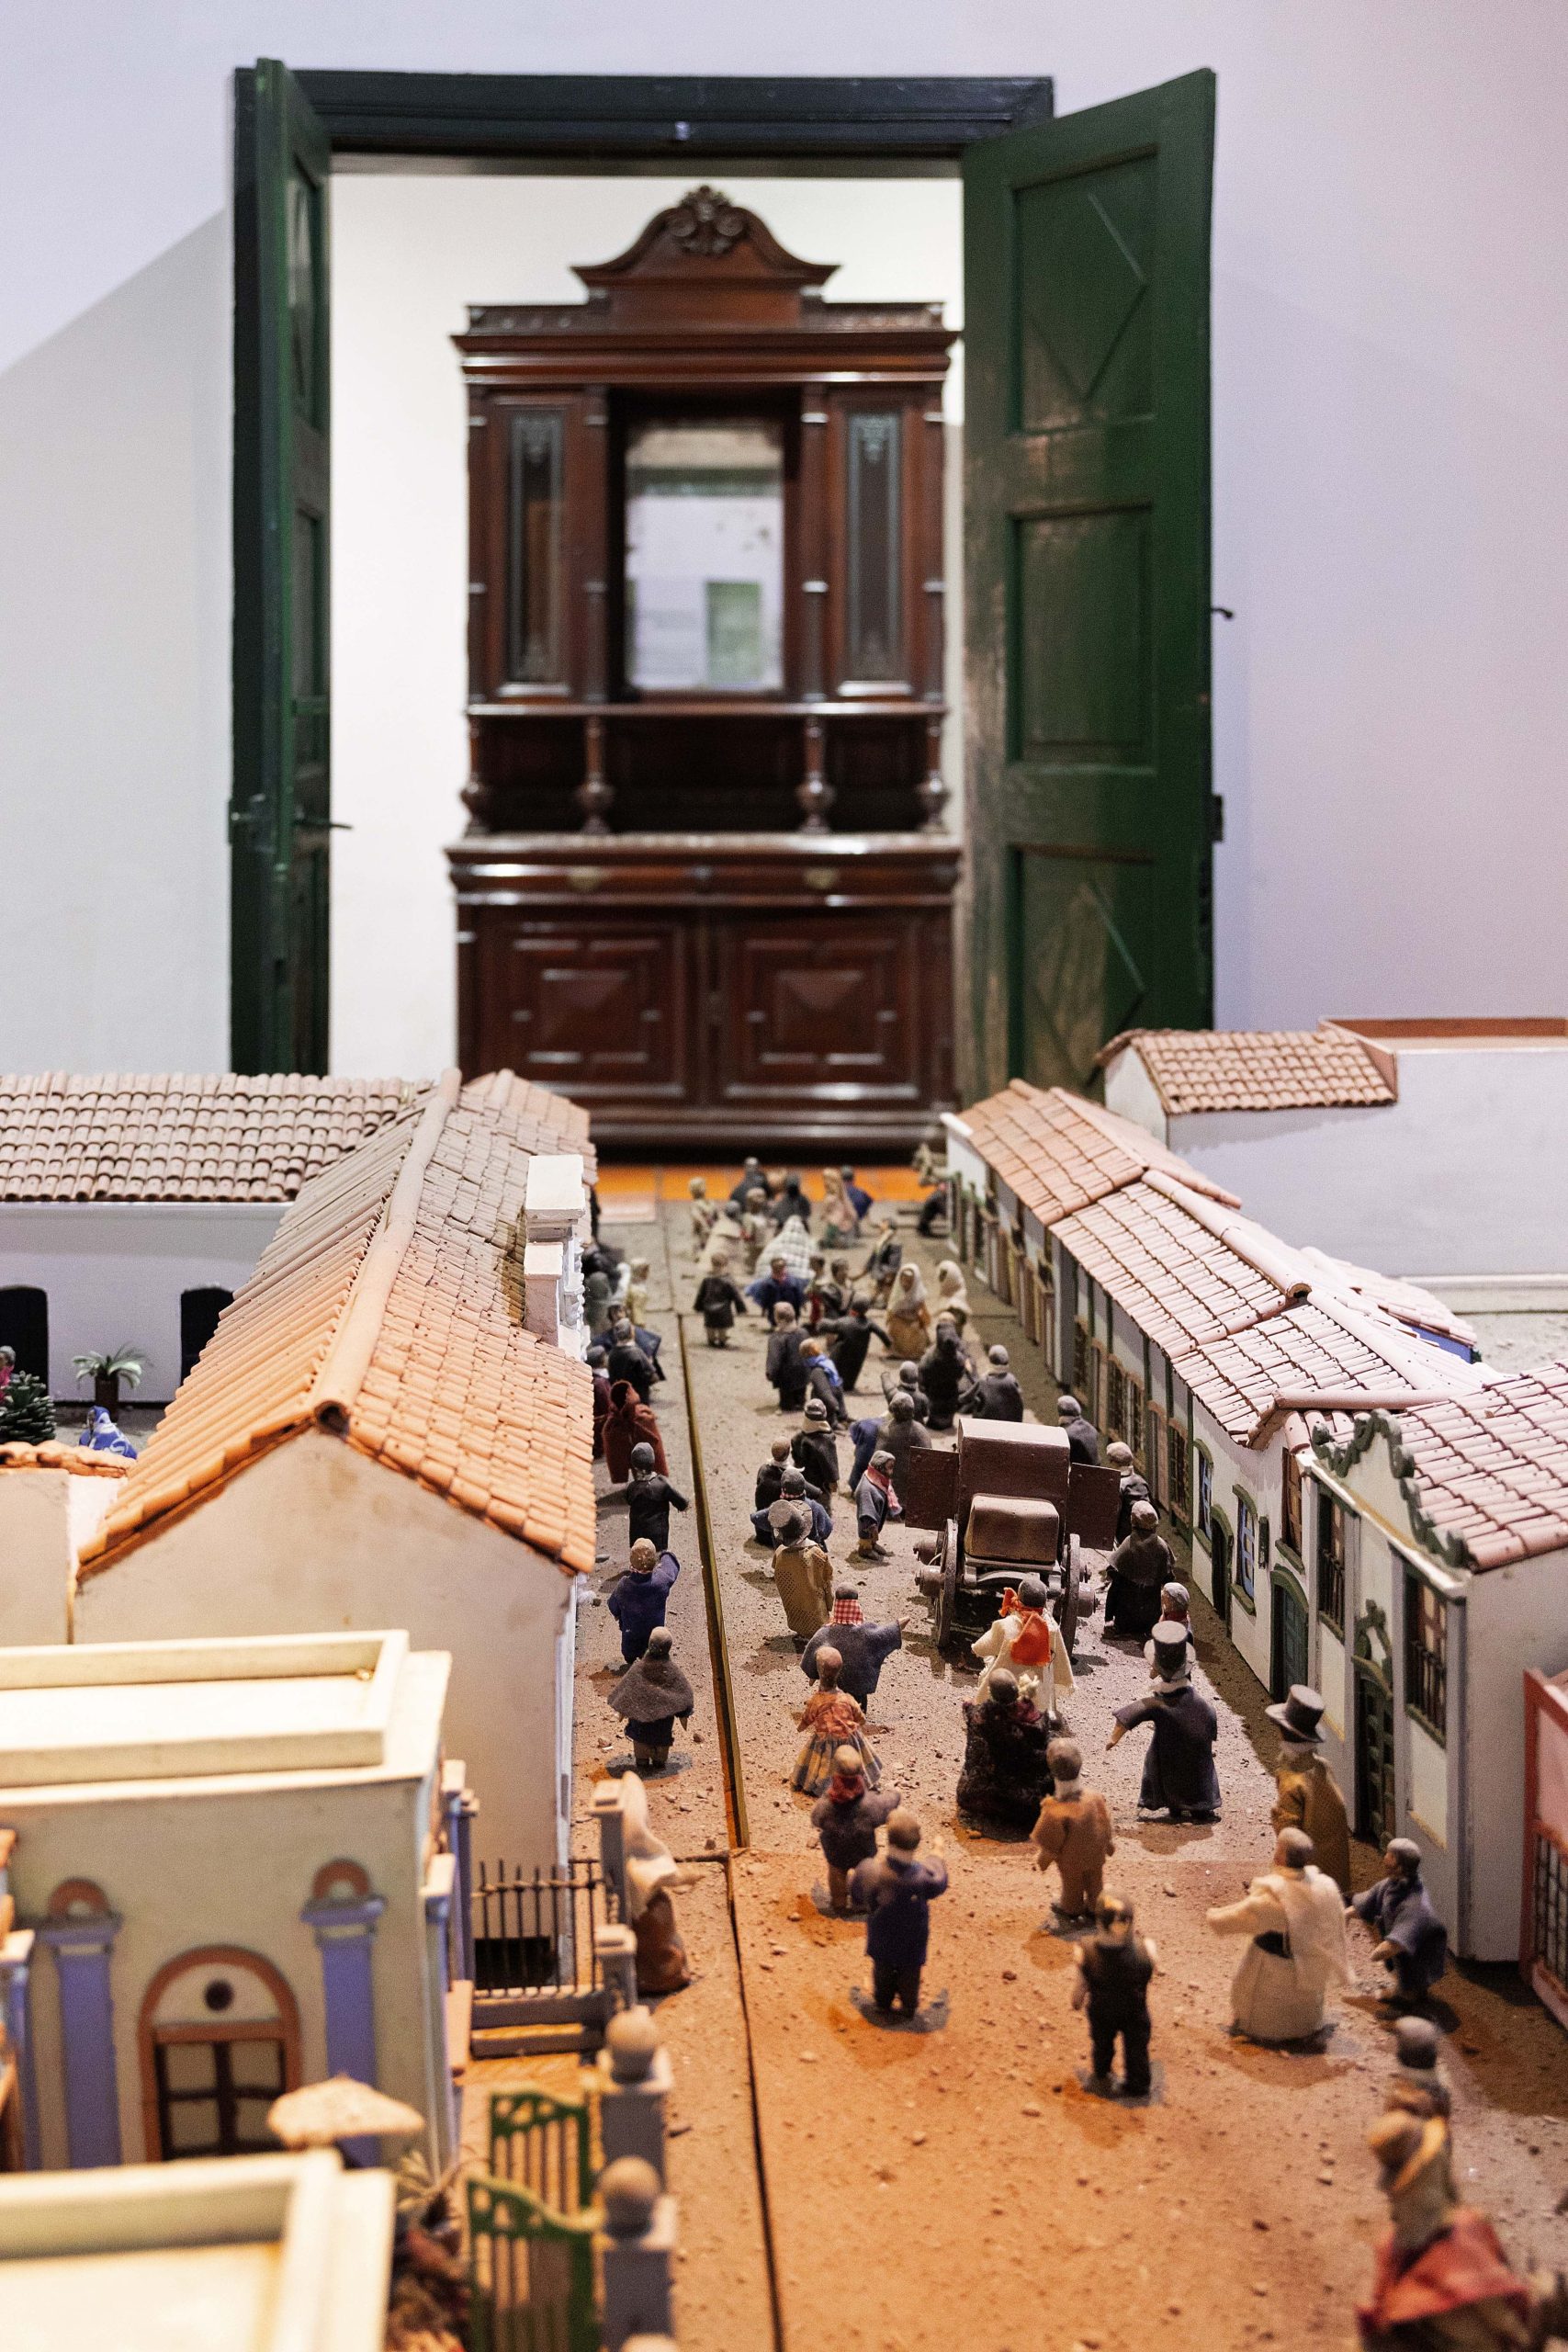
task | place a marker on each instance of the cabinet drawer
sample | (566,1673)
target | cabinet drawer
(817,1009)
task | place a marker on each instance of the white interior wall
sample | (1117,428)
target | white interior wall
(1391,496)
(409,256)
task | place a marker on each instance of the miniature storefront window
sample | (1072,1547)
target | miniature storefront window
(1331,1561)
(1245,1547)
(705,557)
(534,635)
(1204,1521)
(1426,1654)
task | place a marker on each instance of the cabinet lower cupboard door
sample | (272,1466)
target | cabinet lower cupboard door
(598,1014)
(819,1011)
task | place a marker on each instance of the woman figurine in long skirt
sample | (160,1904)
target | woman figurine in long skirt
(831,1720)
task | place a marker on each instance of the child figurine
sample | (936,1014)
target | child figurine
(1114,1967)
(1004,1774)
(1412,1940)
(650,1698)
(897,1890)
(705,1214)
(1443,2283)
(1074,1830)
(803,1576)
(831,1720)
(1178,1771)
(648,1496)
(1028,1642)
(718,1301)
(638,1597)
(650,1871)
(1294,1916)
(846,1818)
(1308,1796)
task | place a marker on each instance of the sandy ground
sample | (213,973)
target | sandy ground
(961,2182)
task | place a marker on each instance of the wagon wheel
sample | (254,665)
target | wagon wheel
(1068,1606)
(947,1604)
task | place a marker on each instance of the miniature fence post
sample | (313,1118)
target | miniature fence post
(612,1840)
(614,1949)
(634,2082)
(637,2246)
(460,1805)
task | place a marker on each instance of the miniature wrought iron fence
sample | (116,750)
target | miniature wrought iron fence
(531,2273)
(543,2144)
(1549,1939)
(533,1931)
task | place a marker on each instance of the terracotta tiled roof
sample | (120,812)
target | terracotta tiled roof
(1259,1069)
(1489,1471)
(1320,1355)
(386,1308)
(1058,1153)
(1406,1302)
(541,1120)
(82,1461)
(223,1138)
(1179,1280)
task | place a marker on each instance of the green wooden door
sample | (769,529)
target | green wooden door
(1087,529)
(280,814)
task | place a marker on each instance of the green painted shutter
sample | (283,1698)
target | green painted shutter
(1087,527)
(280,814)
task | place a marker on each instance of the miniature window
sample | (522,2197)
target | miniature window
(1426,1654)
(1135,1419)
(1290,1501)
(535,652)
(1115,1399)
(1204,1520)
(1245,1547)
(1080,1364)
(1159,1484)
(704,555)
(1331,1560)
(1094,1404)
(24,1326)
(1179,1496)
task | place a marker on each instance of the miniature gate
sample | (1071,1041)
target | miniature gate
(531,2273)
(543,2144)
(533,1931)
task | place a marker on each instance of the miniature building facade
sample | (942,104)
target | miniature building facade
(228,1859)
(706,566)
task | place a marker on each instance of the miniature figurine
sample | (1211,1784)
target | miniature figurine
(705,1214)
(1028,1642)
(822,1381)
(1135,1487)
(886,1257)
(1006,1775)
(840,1222)
(1416,2083)
(630,1362)
(874,1501)
(1114,1967)
(827,1292)
(944,1374)
(1179,1770)
(859,1198)
(908,1318)
(1443,2283)
(898,1434)
(786,1370)
(995,1395)
(803,1576)
(932,1173)
(649,1498)
(650,1698)
(952,1292)
(1135,1574)
(650,1871)
(637,1599)
(1074,1831)
(793,1243)
(628,1419)
(751,1181)
(1083,1438)
(790,1203)
(906,1383)
(863,1649)
(1294,1916)
(831,1718)
(796,1497)
(813,1448)
(850,1334)
(718,1301)
(1308,1796)
(1411,1941)
(846,1818)
(101,1434)
(770,1478)
(598,1312)
(637,1292)
(597,1358)
(897,1890)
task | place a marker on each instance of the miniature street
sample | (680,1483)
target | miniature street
(889,2186)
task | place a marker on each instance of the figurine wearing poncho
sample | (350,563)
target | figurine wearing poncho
(1028,1643)
(1294,1916)
(650,1698)
(650,1871)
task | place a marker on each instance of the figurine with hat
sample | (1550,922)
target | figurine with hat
(813,1448)
(1443,2281)
(803,1576)
(1134,1575)
(796,1497)
(1411,1941)
(1308,1795)
(1132,1486)
(1027,1642)
(650,1698)
(1178,1771)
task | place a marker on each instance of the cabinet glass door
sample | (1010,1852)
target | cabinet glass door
(705,557)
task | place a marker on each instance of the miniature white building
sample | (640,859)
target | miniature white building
(133,1208)
(226,1857)
(255,2254)
(1416,1145)
(372,1437)
(52,1498)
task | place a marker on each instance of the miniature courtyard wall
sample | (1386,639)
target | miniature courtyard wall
(316,1533)
(316,1896)
(52,1498)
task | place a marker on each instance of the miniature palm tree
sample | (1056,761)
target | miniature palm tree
(106,1373)
(27,1411)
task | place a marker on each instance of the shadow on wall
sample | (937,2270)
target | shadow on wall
(115,601)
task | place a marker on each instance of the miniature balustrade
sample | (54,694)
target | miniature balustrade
(555,1223)
(637,2253)
(634,2080)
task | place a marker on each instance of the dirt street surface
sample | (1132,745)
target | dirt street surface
(959,2183)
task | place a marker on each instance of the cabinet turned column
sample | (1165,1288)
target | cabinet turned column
(594,507)
(815,793)
(595,798)
(931,791)
(814,562)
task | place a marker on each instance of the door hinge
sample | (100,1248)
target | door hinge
(1216,816)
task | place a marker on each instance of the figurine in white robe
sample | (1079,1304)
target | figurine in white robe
(1027,1640)
(1294,1918)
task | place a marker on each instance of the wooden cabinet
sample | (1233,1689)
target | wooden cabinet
(707,889)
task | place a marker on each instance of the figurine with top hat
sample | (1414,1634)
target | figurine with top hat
(1307,1794)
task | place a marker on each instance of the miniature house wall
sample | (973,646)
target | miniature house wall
(52,1498)
(293,1911)
(315,1533)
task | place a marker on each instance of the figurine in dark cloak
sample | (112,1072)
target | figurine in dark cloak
(863,1649)
(1114,1967)
(718,1301)
(1006,1775)
(650,1699)
(786,1371)
(1178,1771)
(897,1890)
(1083,1438)
(649,1496)
(1137,1569)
